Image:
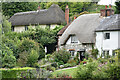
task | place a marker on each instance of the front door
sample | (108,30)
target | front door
(82,55)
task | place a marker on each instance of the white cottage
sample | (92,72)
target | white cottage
(108,35)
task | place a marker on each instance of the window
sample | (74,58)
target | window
(106,54)
(72,53)
(74,39)
(107,35)
(26,28)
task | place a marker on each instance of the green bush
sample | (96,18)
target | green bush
(61,56)
(94,53)
(8,60)
(32,58)
(27,44)
(15,72)
(84,72)
(72,62)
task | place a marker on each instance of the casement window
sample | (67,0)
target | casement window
(105,53)
(72,53)
(107,36)
(74,39)
(26,28)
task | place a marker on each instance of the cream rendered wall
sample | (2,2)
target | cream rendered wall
(53,26)
(107,44)
(22,28)
(19,28)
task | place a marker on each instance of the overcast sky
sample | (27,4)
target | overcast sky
(107,2)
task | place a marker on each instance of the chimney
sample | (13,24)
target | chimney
(105,6)
(67,14)
(110,6)
(107,11)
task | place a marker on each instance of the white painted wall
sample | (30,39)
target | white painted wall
(107,44)
(69,41)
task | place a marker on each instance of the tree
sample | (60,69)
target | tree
(117,7)
(10,8)
(6,25)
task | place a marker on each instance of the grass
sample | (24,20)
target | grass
(70,72)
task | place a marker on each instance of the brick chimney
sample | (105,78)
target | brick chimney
(107,11)
(67,14)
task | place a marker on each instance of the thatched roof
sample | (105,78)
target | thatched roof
(52,15)
(63,29)
(83,27)
(110,23)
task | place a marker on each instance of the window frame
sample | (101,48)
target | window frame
(107,35)
(72,52)
(74,39)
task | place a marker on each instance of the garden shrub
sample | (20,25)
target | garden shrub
(22,60)
(72,62)
(61,56)
(62,75)
(94,53)
(8,60)
(32,58)
(15,72)
(27,45)
(84,72)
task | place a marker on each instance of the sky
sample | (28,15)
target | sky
(107,2)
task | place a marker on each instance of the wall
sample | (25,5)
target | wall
(76,46)
(107,44)
(19,28)
(22,28)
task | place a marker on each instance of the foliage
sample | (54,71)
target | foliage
(94,53)
(22,60)
(26,72)
(72,62)
(61,56)
(117,7)
(85,71)
(9,8)
(6,25)
(77,59)
(8,60)
(32,58)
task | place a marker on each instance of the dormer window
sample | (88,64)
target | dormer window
(107,35)
(74,39)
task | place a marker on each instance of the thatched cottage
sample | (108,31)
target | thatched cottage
(84,32)
(51,17)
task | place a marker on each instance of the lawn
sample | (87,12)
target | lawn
(70,72)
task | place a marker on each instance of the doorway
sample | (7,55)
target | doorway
(81,55)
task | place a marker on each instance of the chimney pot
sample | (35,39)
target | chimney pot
(66,6)
(74,17)
(105,6)
(110,6)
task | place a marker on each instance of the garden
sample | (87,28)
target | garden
(23,56)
